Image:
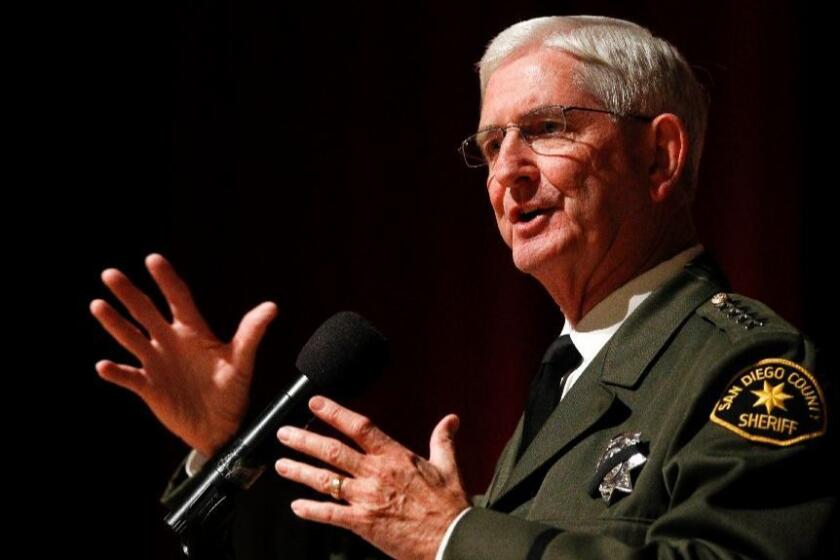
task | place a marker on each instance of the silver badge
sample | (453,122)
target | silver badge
(614,471)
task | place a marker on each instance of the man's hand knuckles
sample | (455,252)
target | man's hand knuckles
(332,452)
(329,515)
(361,428)
(324,480)
(363,520)
(332,413)
(387,501)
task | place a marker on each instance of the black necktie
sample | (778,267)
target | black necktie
(560,359)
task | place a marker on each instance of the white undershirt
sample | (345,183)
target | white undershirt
(596,328)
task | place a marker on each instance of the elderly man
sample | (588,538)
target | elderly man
(669,419)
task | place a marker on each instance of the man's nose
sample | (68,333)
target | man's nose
(516,163)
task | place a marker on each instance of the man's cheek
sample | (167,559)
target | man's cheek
(506,230)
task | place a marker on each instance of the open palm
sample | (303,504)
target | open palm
(196,384)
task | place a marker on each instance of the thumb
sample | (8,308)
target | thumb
(442,444)
(250,333)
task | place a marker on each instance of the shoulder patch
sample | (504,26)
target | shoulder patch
(774,401)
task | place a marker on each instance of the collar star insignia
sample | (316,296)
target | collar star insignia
(771,397)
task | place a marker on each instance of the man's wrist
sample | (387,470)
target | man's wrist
(448,534)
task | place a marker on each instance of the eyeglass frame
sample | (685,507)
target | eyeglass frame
(563,109)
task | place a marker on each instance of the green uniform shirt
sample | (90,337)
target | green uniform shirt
(727,403)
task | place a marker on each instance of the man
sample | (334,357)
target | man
(691,422)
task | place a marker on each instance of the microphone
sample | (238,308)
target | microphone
(344,355)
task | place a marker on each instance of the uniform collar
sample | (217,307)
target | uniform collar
(596,328)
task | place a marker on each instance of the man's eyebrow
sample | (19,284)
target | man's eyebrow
(519,118)
(488,127)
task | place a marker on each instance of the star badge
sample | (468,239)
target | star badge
(617,467)
(771,397)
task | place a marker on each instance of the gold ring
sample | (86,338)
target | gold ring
(335,487)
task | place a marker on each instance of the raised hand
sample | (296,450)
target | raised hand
(196,384)
(396,500)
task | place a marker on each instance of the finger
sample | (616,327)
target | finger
(176,292)
(139,305)
(352,424)
(442,444)
(320,480)
(327,512)
(123,331)
(128,377)
(250,333)
(328,450)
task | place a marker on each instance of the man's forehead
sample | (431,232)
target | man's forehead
(527,82)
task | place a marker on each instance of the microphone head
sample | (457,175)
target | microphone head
(344,355)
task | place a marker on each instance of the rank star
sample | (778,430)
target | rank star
(771,397)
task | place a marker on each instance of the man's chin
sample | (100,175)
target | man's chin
(528,260)
(538,260)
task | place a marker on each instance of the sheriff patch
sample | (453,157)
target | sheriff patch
(774,401)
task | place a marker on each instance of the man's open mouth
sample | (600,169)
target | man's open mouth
(528,216)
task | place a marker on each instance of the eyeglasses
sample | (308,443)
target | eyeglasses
(543,129)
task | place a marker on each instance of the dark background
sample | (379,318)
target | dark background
(306,154)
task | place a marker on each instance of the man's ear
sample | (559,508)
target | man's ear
(669,148)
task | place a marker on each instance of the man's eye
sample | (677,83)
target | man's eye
(547,127)
(491,146)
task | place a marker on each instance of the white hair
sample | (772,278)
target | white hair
(622,64)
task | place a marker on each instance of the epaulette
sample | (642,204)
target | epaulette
(738,316)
